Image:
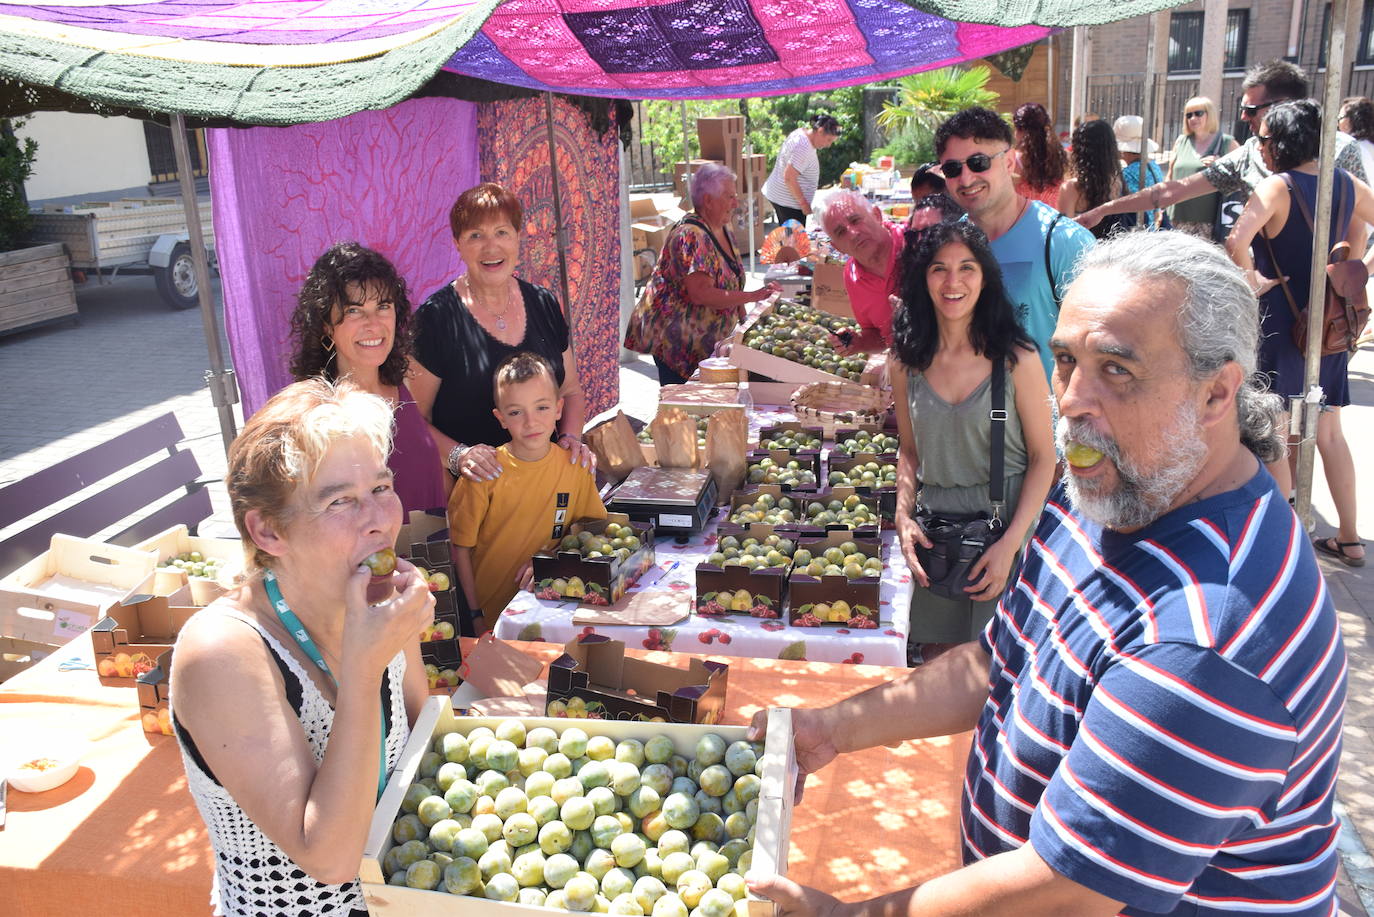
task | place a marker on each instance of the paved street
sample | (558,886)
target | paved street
(131,359)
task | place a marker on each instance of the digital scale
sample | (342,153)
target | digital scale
(676,501)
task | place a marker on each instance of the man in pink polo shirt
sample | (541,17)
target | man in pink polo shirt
(856,228)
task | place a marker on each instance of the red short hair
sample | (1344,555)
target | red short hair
(484,202)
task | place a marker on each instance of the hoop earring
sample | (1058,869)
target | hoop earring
(328,344)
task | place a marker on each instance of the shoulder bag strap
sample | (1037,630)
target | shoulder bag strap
(1049,271)
(732,262)
(998,417)
(1274,261)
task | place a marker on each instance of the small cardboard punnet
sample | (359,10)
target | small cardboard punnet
(66,589)
(424,541)
(594,679)
(812,598)
(129,639)
(757,470)
(774,431)
(808,523)
(885,491)
(154,689)
(566,574)
(760,593)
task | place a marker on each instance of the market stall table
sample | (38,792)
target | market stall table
(125,835)
(531,618)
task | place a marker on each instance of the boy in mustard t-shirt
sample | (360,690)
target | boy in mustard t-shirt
(497,525)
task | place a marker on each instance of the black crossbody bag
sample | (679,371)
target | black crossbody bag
(957,540)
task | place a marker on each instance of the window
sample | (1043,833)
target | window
(1363,52)
(1185,41)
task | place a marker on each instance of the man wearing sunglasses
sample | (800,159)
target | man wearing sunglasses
(1034,244)
(1241,170)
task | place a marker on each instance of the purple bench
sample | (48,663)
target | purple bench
(124,498)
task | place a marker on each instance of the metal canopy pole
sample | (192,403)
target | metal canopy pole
(1147,116)
(224,392)
(1308,408)
(686,156)
(559,239)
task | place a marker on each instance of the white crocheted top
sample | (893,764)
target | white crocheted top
(253,876)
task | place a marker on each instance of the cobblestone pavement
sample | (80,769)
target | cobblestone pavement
(131,359)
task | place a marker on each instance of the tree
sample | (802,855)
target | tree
(16,165)
(926,99)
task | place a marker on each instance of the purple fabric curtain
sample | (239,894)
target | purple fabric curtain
(284,195)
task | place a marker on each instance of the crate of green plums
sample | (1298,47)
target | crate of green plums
(490,817)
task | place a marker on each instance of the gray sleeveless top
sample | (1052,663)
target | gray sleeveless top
(954,441)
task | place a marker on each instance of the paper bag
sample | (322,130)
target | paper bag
(675,438)
(727,432)
(616,449)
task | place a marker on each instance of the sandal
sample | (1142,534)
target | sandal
(1333,548)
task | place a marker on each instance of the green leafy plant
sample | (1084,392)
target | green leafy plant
(926,99)
(16,165)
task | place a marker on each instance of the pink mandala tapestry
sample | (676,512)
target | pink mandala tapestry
(514,143)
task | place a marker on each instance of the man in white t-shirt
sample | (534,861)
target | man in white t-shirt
(797,171)
(1034,244)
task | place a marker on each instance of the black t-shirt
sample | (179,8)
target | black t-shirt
(451,344)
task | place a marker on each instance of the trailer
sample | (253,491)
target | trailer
(133,235)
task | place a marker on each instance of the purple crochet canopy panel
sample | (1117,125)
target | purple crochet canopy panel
(716,48)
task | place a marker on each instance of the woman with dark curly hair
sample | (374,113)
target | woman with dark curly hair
(1037,158)
(1278,213)
(1096,176)
(352,320)
(954,324)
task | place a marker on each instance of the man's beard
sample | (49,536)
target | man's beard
(1140,496)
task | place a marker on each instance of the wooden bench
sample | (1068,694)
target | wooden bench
(122,499)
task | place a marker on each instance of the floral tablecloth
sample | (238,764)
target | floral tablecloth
(530,618)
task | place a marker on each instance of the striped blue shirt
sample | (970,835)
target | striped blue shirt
(1164,713)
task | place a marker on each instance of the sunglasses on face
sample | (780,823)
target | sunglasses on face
(978,162)
(1263,138)
(1195,114)
(1251,110)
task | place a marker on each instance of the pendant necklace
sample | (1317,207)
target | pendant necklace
(499,316)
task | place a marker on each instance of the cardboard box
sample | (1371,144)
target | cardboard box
(845,431)
(744,497)
(722,139)
(767,586)
(642,205)
(600,580)
(177,541)
(154,690)
(594,679)
(703,397)
(886,492)
(827,289)
(651,232)
(680,176)
(804,590)
(446,659)
(825,498)
(17,655)
(781,369)
(424,541)
(778,776)
(66,589)
(808,461)
(753,169)
(129,639)
(772,431)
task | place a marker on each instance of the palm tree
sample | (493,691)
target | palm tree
(926,99)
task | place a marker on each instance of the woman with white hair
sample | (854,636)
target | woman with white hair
(696,295)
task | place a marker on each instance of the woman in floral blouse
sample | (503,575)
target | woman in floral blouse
(696,295)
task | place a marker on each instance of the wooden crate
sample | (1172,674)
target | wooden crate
(111,234)
(771,833)
(780,369)
(35,287)
(17,655)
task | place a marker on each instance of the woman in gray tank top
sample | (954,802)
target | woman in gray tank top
(954,320)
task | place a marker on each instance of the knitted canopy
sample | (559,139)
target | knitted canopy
(293,61)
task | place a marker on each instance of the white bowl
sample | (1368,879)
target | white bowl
(29,780)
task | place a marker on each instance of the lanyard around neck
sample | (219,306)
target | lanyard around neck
(297,630)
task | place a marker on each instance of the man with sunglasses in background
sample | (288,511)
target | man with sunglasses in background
(1243,168)
(1035,245)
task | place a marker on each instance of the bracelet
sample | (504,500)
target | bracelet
(455,455)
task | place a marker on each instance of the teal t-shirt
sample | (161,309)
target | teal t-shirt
(1020,252)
